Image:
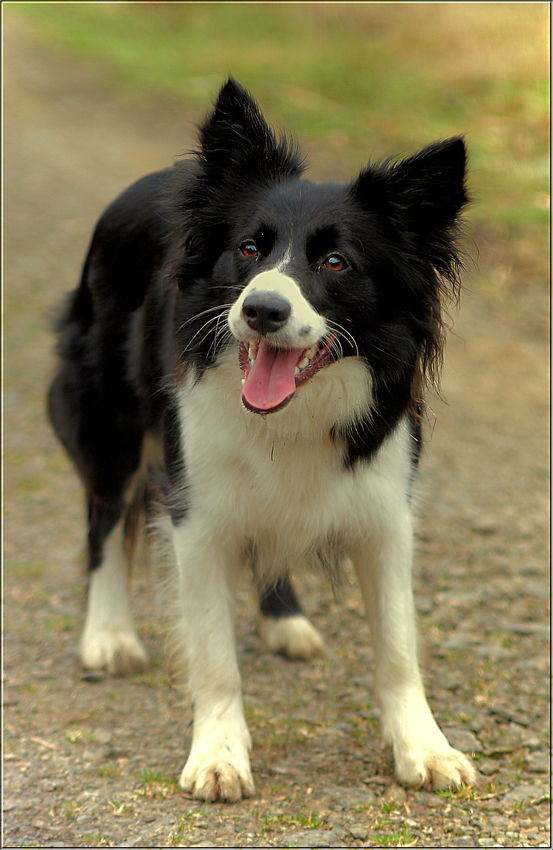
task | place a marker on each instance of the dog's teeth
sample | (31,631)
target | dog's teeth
(297,370)
(243,381)
(309,354)
(304,363)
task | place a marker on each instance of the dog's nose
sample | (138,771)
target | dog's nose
(266,311)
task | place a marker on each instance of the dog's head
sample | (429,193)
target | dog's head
(307,273)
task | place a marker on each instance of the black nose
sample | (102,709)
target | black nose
(266,311)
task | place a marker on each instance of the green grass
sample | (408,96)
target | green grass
(97,839)
(188,822)
(399,838)
(155,783)
(354,80)
(305,820)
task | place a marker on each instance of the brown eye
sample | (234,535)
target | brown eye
(335,263)
(249,249)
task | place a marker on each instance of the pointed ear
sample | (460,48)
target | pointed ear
(237,137)
(423,194)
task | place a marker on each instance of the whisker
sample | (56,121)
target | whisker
(222,333)
(238,286)
(342,332)
(218,307)
(204,328)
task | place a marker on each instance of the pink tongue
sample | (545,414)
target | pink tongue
(271,379)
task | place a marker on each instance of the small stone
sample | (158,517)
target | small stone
(529,569)
(505,714)
(350,798)
(460,641)
(484,525)
(499,821)
(536,662)
(93,754)
(11,803)
(487,842)
(433,801)
(527,628)
(463,740)
(378,779)
(525,794)
(395,793)
(528,739)
(463,841)
(313,838)
(489,766)
(538,762)
(102,736)
(93,676)
(359,832)
(493,652)
(52,784)
(476,724)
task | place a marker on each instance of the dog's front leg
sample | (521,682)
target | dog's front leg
(422,754)
(218,767)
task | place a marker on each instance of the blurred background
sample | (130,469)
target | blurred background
(95,96)
(353,81)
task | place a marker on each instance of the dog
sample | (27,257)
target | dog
(258,345)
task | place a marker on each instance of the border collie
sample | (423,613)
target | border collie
(259,344)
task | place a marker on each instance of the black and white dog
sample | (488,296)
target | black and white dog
(262,342)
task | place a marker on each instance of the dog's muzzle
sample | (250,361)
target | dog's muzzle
(271,374)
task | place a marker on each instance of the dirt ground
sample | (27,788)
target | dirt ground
(93,761)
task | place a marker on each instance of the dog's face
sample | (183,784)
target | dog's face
(310,273)
(298,274)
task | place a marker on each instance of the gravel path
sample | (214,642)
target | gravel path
(93,762)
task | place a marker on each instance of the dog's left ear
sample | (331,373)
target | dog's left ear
(423,194)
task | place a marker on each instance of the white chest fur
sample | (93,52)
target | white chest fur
(279,481)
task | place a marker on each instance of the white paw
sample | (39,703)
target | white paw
(117,651)
(434,768)
(294,636)
(218,773)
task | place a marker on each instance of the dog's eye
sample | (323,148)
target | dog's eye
(249,249)
(335,263)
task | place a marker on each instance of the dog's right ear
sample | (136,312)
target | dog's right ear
(237,138)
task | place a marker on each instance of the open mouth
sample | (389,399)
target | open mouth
(271,375)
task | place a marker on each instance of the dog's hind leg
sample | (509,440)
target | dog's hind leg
(106,448)
(283,626)
(109,640)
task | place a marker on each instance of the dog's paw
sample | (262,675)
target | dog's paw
(433,768)
(223,777)
(118,652)
(294,636)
